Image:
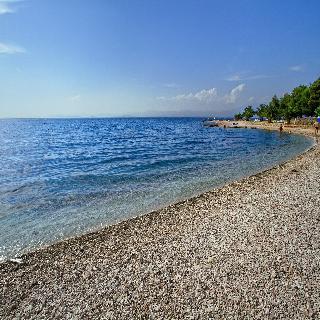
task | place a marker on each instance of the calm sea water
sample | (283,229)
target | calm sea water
(64,177)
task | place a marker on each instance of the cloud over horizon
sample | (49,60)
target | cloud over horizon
(206,96)
(234,93)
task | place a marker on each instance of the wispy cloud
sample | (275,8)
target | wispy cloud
(242,77)
(172,85)
(297,68)
(234,93)
(205,95)
(6,48)
(6,6)
(74,98)
(234,77)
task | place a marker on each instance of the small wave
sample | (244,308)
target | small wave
(103,170)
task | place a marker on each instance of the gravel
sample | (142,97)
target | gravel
(249,250)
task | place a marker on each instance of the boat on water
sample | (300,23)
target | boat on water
(210,122)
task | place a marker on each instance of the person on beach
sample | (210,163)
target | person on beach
(281,127)
(316,127)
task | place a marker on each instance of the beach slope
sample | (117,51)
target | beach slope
(248,250)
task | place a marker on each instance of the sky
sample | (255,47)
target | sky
(110,58)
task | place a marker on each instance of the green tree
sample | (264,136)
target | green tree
(303,100)
(273,109)
(262,111)
(287,107)
(238,116)
(248,113)
(300,99)
(314,100)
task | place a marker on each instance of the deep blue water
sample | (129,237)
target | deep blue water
(63,177)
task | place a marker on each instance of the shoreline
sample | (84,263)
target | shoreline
(196,258)
(241,124)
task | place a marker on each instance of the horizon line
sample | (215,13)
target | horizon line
(106,117)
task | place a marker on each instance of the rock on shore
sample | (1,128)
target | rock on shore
(248,250)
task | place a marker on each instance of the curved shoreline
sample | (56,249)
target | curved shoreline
(39,245)
(194,258)
(213,178)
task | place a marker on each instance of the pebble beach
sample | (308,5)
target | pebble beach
(248,250)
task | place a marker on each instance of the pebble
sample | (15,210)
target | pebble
(249,250)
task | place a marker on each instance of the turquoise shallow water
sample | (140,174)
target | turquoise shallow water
(64,177)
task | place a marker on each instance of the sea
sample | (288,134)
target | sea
(65,177)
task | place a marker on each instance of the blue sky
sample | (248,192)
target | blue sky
(152,57)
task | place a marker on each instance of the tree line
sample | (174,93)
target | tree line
(302,101)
